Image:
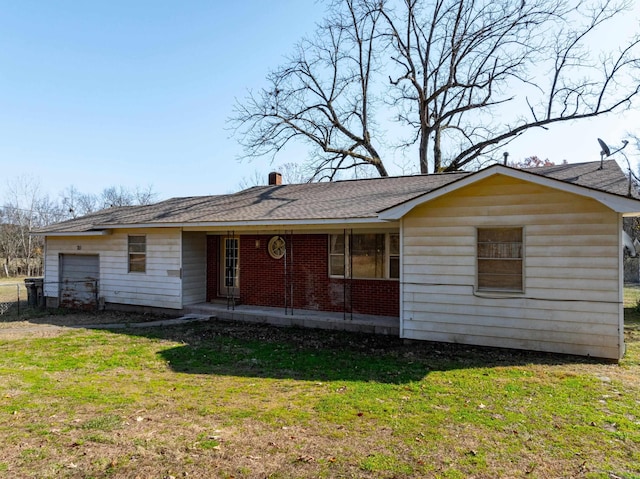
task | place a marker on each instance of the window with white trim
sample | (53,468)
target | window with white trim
(337,255)
(365,255)
(500,259)
(137,247)
(394,256)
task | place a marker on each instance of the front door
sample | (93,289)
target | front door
(229,267)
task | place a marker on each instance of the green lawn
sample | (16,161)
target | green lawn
(233,400)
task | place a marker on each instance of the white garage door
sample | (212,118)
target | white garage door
(79,275)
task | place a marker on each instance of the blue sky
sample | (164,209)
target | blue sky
(102,93)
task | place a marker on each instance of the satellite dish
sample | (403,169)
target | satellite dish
(605,149)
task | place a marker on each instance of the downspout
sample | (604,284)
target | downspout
(44,271)
(401,281)
(181,249)
(621,345)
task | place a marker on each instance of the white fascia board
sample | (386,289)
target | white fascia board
(75,233)
(378,227)
(253,224)
(620,204)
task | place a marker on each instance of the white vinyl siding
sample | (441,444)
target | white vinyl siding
(194,268)
(160,286)
(572,300)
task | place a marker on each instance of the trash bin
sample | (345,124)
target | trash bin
(35,293)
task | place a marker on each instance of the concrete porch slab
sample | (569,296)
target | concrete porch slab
(362,323)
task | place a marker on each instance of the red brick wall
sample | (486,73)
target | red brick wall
(262,278)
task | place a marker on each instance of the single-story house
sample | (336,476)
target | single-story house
(528,259)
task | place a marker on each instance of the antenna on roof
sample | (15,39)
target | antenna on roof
(606,151)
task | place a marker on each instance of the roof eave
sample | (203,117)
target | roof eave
(73,233)
(252,223)
(624,205)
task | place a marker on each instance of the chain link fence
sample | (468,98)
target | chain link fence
(13,299)
(21,298)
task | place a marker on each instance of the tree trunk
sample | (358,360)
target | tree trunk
(437,153)
(382,171)
(424,150)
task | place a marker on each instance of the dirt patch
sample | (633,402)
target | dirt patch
(48,324)
(22,330)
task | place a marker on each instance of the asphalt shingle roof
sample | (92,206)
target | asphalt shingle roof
(610,178)
(352,199)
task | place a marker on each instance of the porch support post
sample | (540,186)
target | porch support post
(286,259)
(291,270)
(229,279)
(348,273)
(351,274)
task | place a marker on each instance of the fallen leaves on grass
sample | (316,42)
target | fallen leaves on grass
(305,458)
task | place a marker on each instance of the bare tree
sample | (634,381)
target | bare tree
(291,172)
(322,97)
(144,195)
(114,196)
(22,211)
(9,240)
(122,196)
(257,178)
(76,203)
(635,140)
(533,162)
(634,153)
(25,208)
(462,77)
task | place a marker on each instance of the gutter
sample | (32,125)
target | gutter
(73,233)
(252,223)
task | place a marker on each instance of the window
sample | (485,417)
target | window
(394,256)
(500,259)
(367,256)
(337,251)
(231,256)
(364,255)
(137,246)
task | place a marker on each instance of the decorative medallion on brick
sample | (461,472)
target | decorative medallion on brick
(276,247)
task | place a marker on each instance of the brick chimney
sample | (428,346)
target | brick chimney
(275,178)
